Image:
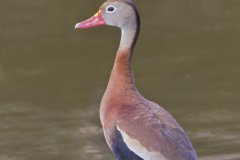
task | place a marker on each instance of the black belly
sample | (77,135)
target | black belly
(120,149)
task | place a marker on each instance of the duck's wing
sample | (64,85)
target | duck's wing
(153,134)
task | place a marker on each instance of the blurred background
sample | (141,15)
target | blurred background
(52,77)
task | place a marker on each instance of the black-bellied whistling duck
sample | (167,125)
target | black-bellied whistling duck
(134,127)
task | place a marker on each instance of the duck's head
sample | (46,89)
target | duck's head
(118,13)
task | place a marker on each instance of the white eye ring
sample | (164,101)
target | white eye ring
(111,9)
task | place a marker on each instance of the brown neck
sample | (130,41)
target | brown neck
(121,83)
(121,79)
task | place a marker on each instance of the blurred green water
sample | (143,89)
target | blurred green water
(52,77)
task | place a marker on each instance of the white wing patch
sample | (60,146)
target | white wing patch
(135,146)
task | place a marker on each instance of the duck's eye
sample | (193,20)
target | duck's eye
(110,9)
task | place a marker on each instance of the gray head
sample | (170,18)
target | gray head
(118,13)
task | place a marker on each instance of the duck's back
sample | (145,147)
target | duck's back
(144,130)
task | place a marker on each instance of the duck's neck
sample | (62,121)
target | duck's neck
(121,83)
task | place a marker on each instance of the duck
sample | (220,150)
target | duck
(134,128)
